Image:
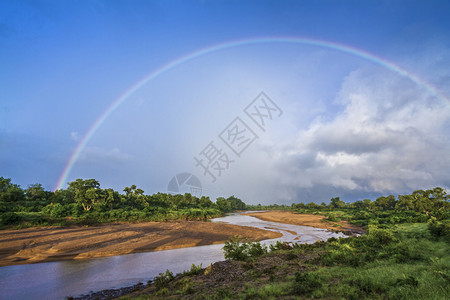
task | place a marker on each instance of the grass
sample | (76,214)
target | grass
(420,272)
(269,291)
(403,262)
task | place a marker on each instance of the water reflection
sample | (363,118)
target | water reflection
(57,280)
(291,233)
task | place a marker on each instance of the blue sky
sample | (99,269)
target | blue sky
(350,127)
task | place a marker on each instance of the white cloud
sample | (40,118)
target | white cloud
(99,156)
(388,136)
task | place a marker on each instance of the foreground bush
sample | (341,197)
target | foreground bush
(439,229)
(307,282)
(163,279)
(9,218)
(234,249)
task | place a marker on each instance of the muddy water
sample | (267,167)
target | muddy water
(57,280)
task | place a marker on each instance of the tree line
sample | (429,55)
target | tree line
(419,206)
(423,201)
(85,201)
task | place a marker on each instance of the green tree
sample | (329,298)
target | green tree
(134,196)
(423,201)
(96,197)
(367,204)
(298,205)
(205,202)
(405,202)
(223,204)
(337,203)
(35,192)
(81,187)
(112,198)
(440,197)
(236,203)
(10,192)
(64,197)
(385,202)
(312,205)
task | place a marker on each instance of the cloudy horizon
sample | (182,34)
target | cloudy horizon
(343,124)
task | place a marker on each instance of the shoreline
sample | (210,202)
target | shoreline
(286,217)
(49,244)
(309,220)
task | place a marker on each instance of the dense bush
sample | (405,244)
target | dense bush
(234,249)
(193,271)
(439,229)
(306,282)
(281,246)
(163,279)
(56,210)
(9,218)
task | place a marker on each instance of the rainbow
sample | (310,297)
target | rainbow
(236,43)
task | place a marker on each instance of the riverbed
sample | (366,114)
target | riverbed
(57,280)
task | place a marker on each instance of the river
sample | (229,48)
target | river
(57,280)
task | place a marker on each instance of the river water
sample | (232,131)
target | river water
(57,280)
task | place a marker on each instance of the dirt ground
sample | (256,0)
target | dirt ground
(289,217)
(33,245)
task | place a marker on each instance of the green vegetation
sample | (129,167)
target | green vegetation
(406,261)
(384,212)
(193,271)
(85,203)
(404,254)
(237,250)
(163,279)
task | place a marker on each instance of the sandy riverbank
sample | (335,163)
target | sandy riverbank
(34,245)
(289,217)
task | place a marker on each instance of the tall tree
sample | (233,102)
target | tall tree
(336,202)
(10,192)
(405,202)
(81,187)
(385,202)
(134,196)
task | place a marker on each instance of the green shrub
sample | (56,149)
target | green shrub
(163,279)
(334,218)
(377,237)
(405,251)
(439,229)
(194,270)
(280,246)
(236,250)
(409,281)
(10,218)
(343,254)
(40,220)
(55,210)
(306,283)
(223,293)
(368,286)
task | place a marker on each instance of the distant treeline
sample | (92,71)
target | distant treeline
(420,206)
(84,202)
(422,201)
